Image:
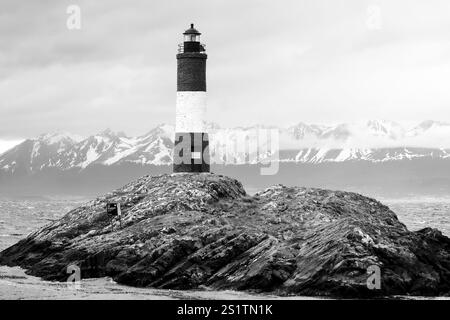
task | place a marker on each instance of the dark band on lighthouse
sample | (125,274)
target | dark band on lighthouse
(191,150)
(191,72)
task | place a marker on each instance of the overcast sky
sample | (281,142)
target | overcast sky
(270,62)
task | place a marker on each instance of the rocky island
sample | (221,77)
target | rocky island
(203,231)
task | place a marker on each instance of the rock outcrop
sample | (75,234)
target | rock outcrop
(188,231)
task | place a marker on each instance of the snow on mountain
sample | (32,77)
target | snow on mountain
(35,154)
(155,147)
(434,134)
(302,130)
(427,127)
(59,137)
(374,140)
(367,134)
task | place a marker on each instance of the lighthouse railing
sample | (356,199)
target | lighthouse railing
(181,47)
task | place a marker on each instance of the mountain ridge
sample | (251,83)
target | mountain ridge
(372,140)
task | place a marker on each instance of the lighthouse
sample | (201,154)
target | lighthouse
(191,148)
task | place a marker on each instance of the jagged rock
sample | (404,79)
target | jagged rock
(186,231)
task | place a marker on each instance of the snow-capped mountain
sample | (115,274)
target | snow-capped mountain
(33,155)
(373,141)
(65,151)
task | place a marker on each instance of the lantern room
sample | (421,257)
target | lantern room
(192,34)
(191,42)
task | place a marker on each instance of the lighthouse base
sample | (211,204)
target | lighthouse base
(191,152)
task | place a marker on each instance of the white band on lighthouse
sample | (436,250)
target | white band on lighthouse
(190,111)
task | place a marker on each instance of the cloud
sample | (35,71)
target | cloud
(313,61)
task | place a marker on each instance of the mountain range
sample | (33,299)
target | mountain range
(374,141)
(368,143)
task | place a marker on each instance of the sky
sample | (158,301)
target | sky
(269,62)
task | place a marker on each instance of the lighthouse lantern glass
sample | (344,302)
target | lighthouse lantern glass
(192,38)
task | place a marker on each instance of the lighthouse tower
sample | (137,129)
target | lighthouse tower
(191,151)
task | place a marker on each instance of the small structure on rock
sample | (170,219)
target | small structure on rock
(113,208)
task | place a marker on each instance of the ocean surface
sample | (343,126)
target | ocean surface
(20,217)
